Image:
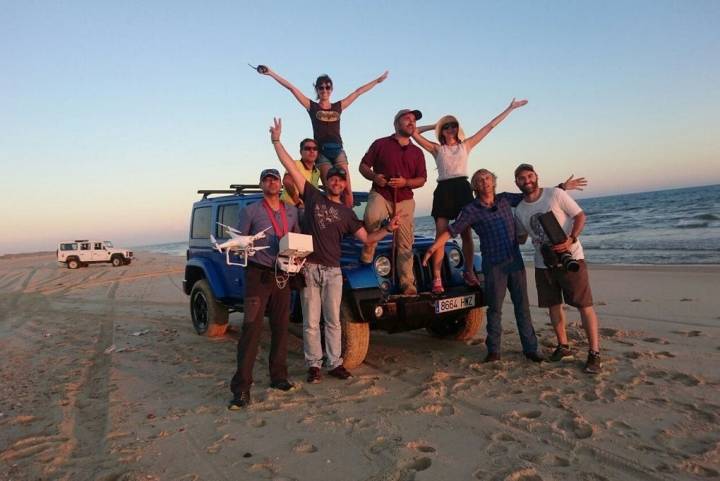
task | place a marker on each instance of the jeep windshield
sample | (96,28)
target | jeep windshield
(108,244)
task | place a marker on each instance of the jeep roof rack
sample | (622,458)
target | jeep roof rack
(246,188)
(234,189)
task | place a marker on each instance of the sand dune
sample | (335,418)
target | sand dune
(103,378)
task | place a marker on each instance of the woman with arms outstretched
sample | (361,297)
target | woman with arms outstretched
(325,119)
(453,191)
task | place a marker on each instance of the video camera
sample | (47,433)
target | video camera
(556,235)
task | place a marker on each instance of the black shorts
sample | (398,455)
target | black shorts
(450,197)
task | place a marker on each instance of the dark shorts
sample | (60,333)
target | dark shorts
(450,197)
(554,285)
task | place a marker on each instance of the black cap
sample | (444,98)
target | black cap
(338,171)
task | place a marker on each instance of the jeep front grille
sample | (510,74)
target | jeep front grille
(423,274)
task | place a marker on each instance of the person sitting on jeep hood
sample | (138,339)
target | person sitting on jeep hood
(327,219)
(261,289)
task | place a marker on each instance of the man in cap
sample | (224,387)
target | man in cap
(306,164)
(395,166)
(555,283)
(491,217)
(327,219)
(262,290)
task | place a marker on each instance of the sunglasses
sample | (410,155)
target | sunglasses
(310,149)
(450,125)
(324,87)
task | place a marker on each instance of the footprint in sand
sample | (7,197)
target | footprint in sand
(545,459)
(590,396)
(531,414)
(494,449)
(686,379)
(437,409)
(636,300)
(656,340)
(257,423)
(578,426)
(423,448)
(689,333)
(608,331)
(303,446)
(417,464)
(523,474)
(686,299)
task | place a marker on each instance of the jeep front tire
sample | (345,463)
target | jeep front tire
(209,317)
(73,263)
(460,328)
(355,336)
(116,261)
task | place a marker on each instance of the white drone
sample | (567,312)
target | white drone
(238,244)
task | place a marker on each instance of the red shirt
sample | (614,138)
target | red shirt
(386,156)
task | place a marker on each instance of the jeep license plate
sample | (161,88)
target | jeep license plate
(454,303)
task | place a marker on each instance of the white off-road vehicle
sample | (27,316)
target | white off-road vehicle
(80,253)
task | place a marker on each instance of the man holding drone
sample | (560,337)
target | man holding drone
(262,289)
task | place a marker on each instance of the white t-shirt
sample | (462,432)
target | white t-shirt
(562,205)
(451,161)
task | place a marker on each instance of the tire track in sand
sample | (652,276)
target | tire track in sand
(90,417)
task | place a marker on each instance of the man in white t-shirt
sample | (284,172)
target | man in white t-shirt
(554,283)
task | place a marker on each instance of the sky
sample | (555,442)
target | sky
(113,114)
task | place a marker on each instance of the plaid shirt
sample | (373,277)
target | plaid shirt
(494,225)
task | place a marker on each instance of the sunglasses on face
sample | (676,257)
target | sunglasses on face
(324,87)
(450,125)
(310,149)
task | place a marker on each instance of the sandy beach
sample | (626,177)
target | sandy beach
(103,378)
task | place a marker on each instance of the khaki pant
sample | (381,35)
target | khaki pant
(378,209)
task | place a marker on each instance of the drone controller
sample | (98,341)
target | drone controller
(294,249)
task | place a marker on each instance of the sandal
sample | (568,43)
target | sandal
(437,287)
(471,279)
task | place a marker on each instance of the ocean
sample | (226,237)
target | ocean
(677,226)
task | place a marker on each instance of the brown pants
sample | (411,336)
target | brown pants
(378,209)
(261,289)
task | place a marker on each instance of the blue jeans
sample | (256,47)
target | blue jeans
(322,293)
(508,275)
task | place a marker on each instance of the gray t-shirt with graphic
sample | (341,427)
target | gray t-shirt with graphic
(327,222)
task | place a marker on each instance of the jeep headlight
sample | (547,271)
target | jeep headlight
(454,257)
(382,266)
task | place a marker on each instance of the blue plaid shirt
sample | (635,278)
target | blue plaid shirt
(495,225)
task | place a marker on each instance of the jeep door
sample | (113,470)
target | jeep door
(99,254)
(227,213)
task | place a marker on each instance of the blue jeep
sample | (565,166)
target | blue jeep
(369,295)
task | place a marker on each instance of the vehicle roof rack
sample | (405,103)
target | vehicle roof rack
(246,188)
(234,189)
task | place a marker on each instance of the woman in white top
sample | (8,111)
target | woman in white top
(453,191)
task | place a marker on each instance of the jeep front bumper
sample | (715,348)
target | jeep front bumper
(404,313)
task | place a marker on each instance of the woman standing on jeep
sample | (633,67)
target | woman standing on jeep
(325,119)
(453,191)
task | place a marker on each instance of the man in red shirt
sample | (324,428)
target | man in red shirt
(395,166)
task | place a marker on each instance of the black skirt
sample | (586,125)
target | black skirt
(450,197)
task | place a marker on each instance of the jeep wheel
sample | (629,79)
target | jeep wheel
(73,263)
(209,317)
(460,328)
(116,261)
(355,337)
